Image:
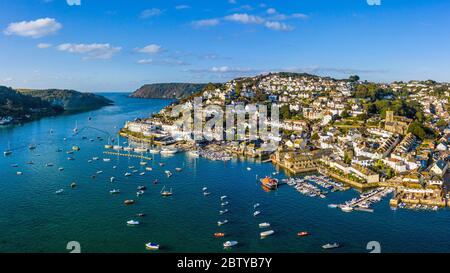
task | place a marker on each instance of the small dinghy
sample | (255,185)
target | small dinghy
(221,223)
(330,246)
(219,234)
(230,243)
(129,202)
(302,233)
(255,205)
(151,246)
(138,193)
(266,233)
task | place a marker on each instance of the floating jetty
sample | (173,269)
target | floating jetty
(128,155)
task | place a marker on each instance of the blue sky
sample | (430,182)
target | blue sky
(112,45)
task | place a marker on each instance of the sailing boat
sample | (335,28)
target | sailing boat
(108,146)
(75,130)
(8,151)
(118,147)
(165,192)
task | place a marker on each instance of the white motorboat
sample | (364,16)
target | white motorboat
(149,169)
(264,225)
(106,159)
(166,151)
(112,179)
(114,191)
(223,211)
(19,173)
(230,243)
(266,233)
(142,174)
(132,223)
(141,192)
(206,193)
(223,197)
(99,172)
(59,191)
(256,213)
(224,203)
(128,149)
(330,246)
(255,205)
(204,189)
(151,246)
(141,150)
(346,208)
(221,223)
(127,174)
(154,151)
(61,169)
(249,169)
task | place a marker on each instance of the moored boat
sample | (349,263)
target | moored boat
(219,234)
(230,243)
(151,246)
(264,225)
(302,233)
(221,223)
(132,223)
(270,183)
(330,246)
(266,233)
(128,202)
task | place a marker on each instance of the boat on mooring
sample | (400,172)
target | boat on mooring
(330,246)
(132,223)
(228,244)
(264,225)
(270,183)
(151,246)
(221,223)
(166,192)
(266,233)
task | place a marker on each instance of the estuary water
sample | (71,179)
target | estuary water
(35,219)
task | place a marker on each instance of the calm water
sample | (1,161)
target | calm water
(34,219)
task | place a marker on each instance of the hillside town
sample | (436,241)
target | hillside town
(365,135)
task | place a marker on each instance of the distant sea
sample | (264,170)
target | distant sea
(34,219)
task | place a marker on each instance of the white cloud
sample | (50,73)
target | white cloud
(275,25)
(244,18)
(180,7)
(150,49)
(73,2)
(145,61)
(167,61)
(34,29)
(271,11)
(44,45)
(91,51)
(206,23)
(150,13)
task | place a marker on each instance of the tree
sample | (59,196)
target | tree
(417,129)
(285,112)
(354,78)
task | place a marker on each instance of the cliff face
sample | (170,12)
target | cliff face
(167,90)
(70,100)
